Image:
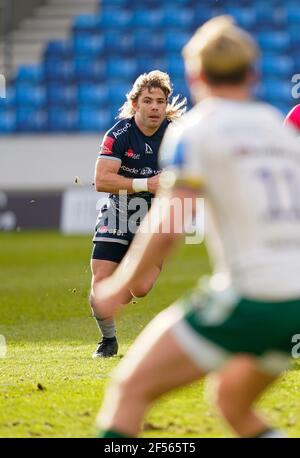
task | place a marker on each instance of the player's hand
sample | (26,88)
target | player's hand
(153,183)
(108,298)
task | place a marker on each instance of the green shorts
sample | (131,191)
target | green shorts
(215,325)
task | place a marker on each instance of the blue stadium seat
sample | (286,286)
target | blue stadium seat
(118,91)
(146,41)
(114,111)
(180,87)
(30,74)
(62,120)
(88,23)
(93,70)
(175,66)
(89,45)
(93,94)
(180,3)
(175,42)
(117,3)
(62,94)
(275,91)
(277,66)
(31,120)
(148,19)
(202,14)
(297,63)
(59,49)
(234,3)
(7,121)
(294,37)
(177,18)
(116,42)
(146,65)
(268,15)
(119,19)
(293,14)
(150,4)
(274,41)
(119,68)
(94,120)
(245,18)
(10,98)
(29,95)
(59,70)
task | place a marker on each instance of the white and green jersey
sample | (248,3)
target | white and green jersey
(249,166)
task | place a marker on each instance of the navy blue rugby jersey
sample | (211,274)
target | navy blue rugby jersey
(137,152)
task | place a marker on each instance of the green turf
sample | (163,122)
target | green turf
(50,386)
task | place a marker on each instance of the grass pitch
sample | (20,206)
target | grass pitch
(49,384)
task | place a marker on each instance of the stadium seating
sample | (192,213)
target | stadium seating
(59,94)
(91,69)
(93,119)
(280,66)
(30,74)
(31,119)
(7,121)
(93,95)
(152,19)
(89,45)
(9,102)
(62,119)
(60,70)
(81,82)
(59,49)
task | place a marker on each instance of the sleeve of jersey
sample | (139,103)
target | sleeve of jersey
(293,118)
(109,148)
(180,162)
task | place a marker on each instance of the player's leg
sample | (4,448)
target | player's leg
(145,284)
(240,383)
(154,365)
(142,288)
(105,259)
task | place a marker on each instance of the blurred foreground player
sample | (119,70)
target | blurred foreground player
(241,320)
(128,169)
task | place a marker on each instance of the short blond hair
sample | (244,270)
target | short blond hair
(221,50)
(154,79)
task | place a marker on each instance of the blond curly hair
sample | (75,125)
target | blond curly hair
(155,79)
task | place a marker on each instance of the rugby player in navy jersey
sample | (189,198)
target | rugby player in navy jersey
(127,168)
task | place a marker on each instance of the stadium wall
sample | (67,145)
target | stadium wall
(13,11)
(46,182)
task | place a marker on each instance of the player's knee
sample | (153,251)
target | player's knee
(96,279)
(92,304)
(141,290)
